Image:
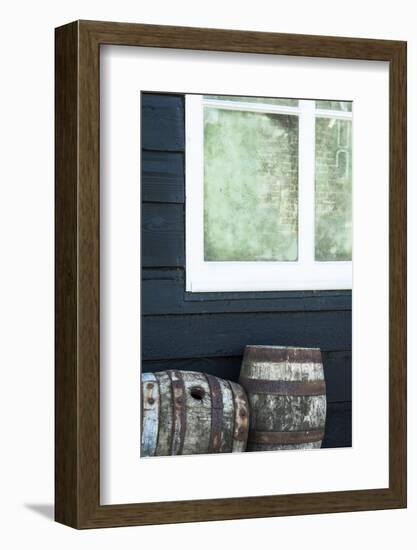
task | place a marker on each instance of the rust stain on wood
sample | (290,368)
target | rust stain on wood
(150,416)
(241,423)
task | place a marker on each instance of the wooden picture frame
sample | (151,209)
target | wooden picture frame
(77,382)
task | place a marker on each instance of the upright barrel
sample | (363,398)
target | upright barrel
(192,413)
(287,397)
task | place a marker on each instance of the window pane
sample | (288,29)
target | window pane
(247,99)
(335,105)
(250,186)
(333,202)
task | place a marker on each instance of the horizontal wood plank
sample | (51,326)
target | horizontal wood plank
(163,122)
(338,431)
(163,293)
(338,375)
(162,235)
(224,367)
(183,336)
(337,370)
(163,177)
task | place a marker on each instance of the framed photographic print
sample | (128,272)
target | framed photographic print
(230,274)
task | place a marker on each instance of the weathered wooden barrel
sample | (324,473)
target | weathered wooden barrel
(287,397)
(192,413)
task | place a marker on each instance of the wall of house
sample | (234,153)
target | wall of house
(208,331)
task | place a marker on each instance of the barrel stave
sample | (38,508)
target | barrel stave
(198,407)
(228,417)
(165,412)
(281,413)
(150,415)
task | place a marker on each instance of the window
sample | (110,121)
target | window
(268,194)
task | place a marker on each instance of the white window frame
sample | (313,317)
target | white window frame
(303,274)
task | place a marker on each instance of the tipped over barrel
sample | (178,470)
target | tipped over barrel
(287,397)
(192,413)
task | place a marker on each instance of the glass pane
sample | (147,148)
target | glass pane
(247,99)
(250,186)
(334,105)
(333,193)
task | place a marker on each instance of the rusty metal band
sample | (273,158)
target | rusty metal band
(278,355)
(286,438)
(179,412)
(283,387)
(216,413)
(158,376)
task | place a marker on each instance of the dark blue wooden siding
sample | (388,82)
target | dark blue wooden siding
(208,331)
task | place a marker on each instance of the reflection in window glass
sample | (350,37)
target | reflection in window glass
(333,190)
(286,102)
(335,105)
(250,186)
